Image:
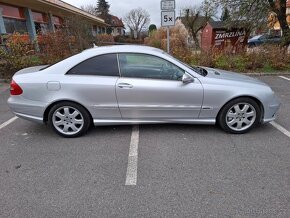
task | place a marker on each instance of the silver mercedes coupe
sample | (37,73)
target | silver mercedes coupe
(129,84)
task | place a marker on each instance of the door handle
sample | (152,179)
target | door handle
(125,85)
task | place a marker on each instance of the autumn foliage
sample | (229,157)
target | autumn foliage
(178,42)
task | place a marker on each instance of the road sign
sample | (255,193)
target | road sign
(167,18)
(167,5)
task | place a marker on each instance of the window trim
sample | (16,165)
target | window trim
(120,72)
(67,72)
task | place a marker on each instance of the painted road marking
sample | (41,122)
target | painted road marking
(284,77)
(131,176)
(8,122)
(281,128)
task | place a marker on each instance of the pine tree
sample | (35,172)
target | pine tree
(225,15)
(103,12)
(102,8)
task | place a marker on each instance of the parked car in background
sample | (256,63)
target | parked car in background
(264,39)
(113,85)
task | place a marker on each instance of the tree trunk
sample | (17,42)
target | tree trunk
(285,33)
(280,9)
(196,42)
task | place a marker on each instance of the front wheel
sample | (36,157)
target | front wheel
(239,116)
(69,119)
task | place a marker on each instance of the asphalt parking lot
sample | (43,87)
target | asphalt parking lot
(152,171)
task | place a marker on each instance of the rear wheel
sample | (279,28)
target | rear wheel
(239,116)
(69,119)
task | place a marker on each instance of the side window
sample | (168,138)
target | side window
(102,65)
(148,66)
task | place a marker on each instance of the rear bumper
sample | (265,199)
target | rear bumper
(27,109)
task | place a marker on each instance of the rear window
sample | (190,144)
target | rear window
(102,65)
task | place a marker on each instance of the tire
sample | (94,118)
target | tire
(239,115)
(69,119)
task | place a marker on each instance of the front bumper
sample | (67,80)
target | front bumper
(270,112)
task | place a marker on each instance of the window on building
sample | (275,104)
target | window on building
(57,22)
(41,28)
(14,19)
(102,65)
(41,22)
(15,25)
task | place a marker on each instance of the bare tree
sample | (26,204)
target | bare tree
(79,31)
(195,19)
(137,20)
(90,9)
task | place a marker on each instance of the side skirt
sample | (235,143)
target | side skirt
(102,122)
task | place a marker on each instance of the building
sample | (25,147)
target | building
(117,25)
(198,24)
(40,16)
(216,35)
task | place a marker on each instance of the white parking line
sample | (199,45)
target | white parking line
(281,128)
(8,122)
(131,176)
(284,77)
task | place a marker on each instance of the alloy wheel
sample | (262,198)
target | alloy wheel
(68,120)
(241,116)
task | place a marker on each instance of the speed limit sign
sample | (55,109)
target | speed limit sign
(167,18)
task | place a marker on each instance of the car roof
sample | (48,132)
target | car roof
(257,36)
(124,48)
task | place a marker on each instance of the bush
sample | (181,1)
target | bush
(128,40)
(79,31)
(54,47)
(17,54)
(265,59)
(178,42)
(120,39)
(104,39)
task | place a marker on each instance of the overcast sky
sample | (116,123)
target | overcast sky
(120,8)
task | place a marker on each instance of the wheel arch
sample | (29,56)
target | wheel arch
(48,108)
(260,104)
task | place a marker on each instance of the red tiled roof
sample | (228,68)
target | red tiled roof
(116,22)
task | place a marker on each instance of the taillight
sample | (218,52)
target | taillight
(15,89)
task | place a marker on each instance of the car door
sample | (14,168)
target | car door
(151,88)
(92,83)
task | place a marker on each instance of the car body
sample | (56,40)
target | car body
(264,39)
(126,84)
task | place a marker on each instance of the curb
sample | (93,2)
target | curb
(266,74)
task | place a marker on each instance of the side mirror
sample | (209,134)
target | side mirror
(187,79)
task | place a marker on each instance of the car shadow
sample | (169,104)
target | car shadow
(45,131)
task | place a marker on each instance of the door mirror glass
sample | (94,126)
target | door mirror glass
(187,78)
